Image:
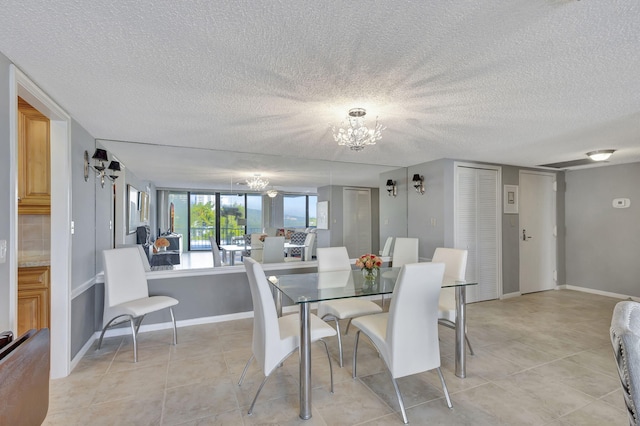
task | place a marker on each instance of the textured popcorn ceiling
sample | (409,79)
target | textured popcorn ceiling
(522,82)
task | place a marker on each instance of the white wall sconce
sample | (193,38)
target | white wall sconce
(392,189)
(418,183)
(601,154)
(101,157)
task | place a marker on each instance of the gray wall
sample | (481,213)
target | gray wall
(510,238)
(393,210)
(602,242)
(5,194)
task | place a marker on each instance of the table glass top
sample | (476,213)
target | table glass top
(319,286)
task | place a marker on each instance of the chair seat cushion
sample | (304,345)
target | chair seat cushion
(375,327)
(348,308)
(139,307)
(290,328)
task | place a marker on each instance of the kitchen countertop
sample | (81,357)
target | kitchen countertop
(30,259)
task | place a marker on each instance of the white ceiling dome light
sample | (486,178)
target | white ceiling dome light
(601,154)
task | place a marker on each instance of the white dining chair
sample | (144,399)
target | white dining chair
(256,247)
(309,242)
(126,294)
(275,339)
(407,336)
(273,250)
(331,259)
(386,250)
(405,251)
(455,261)
(215,251)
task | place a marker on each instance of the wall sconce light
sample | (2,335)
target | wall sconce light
(392,189)
(418,183)
(101,157)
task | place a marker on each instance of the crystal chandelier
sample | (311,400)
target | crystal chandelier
(257,183)
(357,136)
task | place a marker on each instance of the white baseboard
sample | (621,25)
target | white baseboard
(599,292)
(510,295)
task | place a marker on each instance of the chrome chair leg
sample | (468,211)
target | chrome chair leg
(138,322)
(326,348)
(451,325)
(468,343)
(246,367)
(250,412)
(355,355)
(444,388)
(402,410)
(135,340)
(331,317)
(175,329)
(348,324)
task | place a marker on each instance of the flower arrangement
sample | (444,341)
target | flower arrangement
(369,263)
(161,242)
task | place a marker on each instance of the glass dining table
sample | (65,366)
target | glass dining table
(305,289)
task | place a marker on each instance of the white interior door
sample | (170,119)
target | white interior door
(356,210)
(537,232)
(477,230)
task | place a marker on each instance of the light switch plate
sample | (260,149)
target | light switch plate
(3,251)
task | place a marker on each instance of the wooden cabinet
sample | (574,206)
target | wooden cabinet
(34,170)
(33,298)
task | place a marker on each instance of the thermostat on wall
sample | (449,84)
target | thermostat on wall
(621,203)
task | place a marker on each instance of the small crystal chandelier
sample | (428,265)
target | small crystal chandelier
(272,193)
(357,136)
(256,183)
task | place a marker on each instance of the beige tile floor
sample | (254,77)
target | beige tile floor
(541,359)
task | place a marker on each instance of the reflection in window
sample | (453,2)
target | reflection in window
(202,220)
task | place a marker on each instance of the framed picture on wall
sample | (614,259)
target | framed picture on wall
(133,216)
(323,215)
(510,201)
(144,207)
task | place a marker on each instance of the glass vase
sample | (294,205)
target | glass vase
(369,274)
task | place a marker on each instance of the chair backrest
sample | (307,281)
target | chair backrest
(124,278)
(308,246)
(266,331)
(144,254)
(412,330)
(273,250)
(386,250)
(256,247)
(215,250)
(333,259)
(297,238)
(405,251)
(625,339)
(455,261)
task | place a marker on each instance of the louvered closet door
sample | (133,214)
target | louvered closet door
(476,229)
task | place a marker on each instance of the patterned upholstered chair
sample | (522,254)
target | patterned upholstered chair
(297,238)
(625,338)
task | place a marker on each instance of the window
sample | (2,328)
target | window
(202,220)
(299,211)
(228,217)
